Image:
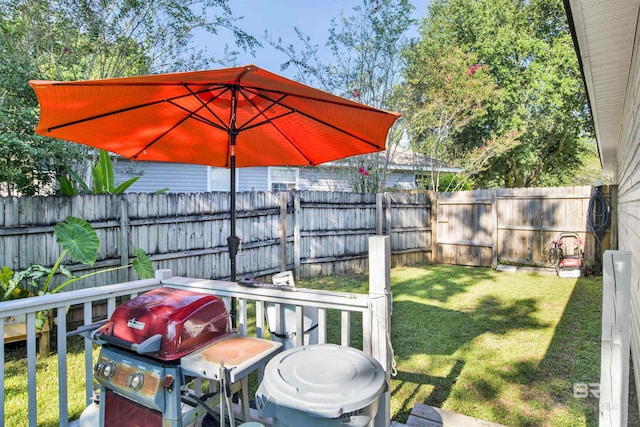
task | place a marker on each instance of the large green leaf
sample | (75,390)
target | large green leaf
(66,186)
(96,173)
(142,264)
(81,182)
(78,238)
(106,171)
(122,187)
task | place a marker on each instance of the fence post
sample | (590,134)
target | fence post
(494,234)
(433,201)
(283,230)
(614,365)
(380,295)
(388,224)
(379,214)
(296,233)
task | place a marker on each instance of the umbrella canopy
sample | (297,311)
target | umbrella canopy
(234,117)
(197,117)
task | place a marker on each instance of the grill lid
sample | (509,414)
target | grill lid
(166,323)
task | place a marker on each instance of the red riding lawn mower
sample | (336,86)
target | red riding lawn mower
(567,254)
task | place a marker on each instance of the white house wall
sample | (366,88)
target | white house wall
(628,209)
(322,179)
(185,178)
(253,179)
(179,178)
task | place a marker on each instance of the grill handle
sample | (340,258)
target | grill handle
(150,345)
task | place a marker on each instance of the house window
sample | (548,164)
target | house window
(283,179)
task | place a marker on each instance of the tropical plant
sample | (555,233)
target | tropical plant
(103,179)
(10,288)
(80,242)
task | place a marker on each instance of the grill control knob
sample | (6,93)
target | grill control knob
(109,369)
(98,369)
(136,380)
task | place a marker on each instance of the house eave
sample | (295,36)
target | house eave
(604,38)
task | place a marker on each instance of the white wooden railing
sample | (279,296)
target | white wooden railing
(374,309)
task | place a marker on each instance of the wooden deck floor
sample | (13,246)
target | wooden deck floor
(428,416)
(421,416)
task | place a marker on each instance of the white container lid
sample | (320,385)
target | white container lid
(323,380)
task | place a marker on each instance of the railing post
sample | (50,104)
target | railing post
(614,365)
(124,239)
(380,294)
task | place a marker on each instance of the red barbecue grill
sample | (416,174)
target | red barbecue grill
(155,344)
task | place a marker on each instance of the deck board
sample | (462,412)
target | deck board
(428,416)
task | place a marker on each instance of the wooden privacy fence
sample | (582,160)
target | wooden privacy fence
(315,233)
(518,226)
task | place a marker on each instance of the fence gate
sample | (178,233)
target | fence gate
(464,227)
(514,226)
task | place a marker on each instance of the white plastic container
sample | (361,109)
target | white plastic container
(286,331)
(321,385)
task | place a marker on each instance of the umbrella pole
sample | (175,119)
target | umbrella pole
(233,241)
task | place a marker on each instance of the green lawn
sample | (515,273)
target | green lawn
(505,347)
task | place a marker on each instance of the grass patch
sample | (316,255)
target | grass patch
(16,391)
(504,347)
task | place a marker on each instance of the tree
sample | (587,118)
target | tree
(367,62)
(87,39)
(530,55)
(445,90)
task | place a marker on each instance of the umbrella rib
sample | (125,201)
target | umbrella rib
(194,115)
(191,115)
(158,138)
(293,110)
(124,110)
(205,105)
(260,112)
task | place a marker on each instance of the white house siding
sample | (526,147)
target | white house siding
(628,180)
(186,178)
(334,179)
(179,178)
(401,181)
(322,179)
(253,179)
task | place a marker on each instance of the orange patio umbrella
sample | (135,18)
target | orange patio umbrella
(234,117)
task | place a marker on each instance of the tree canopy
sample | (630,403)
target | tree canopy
(88,39)
(528,52)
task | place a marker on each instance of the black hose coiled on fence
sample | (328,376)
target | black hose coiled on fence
(599,215)
(598,220)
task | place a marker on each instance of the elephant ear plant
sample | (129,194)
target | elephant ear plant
(80,242)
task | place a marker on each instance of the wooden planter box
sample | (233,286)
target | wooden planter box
(15,329)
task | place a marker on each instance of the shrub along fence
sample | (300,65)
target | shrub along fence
(313,233)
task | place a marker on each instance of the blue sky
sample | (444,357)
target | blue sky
(280,17)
